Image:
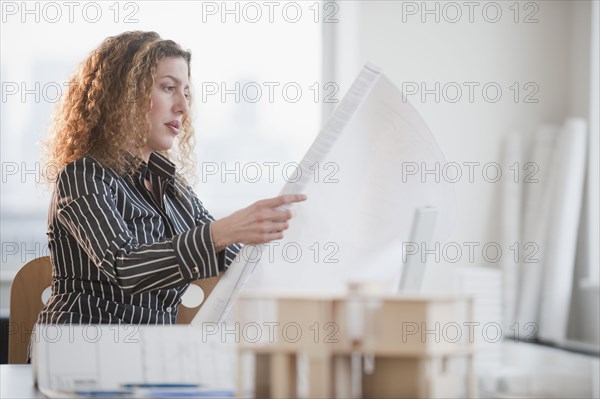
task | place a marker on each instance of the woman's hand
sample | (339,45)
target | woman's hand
(259,223)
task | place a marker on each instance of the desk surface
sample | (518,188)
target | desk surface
(545,367)
(16,382)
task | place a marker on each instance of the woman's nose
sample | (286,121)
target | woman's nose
(181,104)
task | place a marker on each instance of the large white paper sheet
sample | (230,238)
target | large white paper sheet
(536,217)
(364,176)
(511,210)
(552,205)
(561,242)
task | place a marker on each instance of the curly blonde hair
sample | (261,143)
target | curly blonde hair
(105,111)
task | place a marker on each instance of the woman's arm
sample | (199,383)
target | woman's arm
(226,252)
(87,208)
(261,222)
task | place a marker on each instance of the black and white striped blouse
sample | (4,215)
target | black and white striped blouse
(123,254)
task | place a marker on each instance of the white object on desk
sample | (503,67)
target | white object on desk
(69,358)
(413,270)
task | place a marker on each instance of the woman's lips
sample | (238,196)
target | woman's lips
(173,126)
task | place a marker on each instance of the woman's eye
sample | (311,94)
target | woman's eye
(170,88)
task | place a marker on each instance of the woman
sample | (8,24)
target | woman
(126,233)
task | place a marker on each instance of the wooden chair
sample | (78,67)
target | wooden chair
(185,314)
(26,303)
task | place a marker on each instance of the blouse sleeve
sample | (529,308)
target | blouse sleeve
(226,256)
(86,207)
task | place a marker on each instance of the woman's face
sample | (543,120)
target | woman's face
(169,104)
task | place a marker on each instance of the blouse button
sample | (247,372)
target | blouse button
(169,309)
(196,270)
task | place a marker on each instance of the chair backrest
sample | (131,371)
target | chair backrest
(25,305)
(185,314)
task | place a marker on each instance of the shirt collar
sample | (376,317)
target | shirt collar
(157,163)
(160,164)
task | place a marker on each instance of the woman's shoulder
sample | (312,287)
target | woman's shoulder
(87,166)
(86,175)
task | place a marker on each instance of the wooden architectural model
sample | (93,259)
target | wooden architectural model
(360,345)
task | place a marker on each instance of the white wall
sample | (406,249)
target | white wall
(481,52)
